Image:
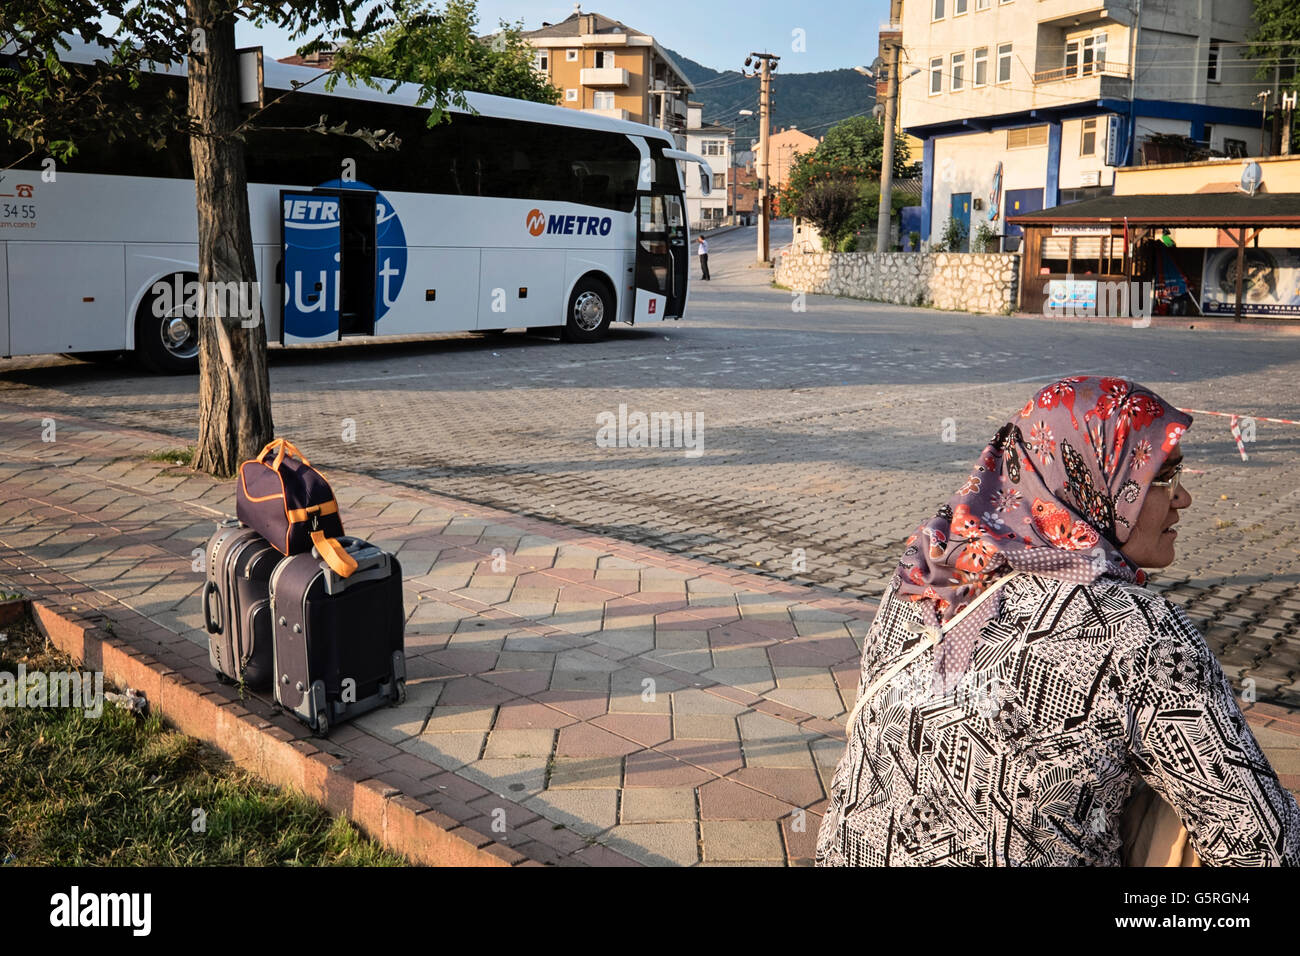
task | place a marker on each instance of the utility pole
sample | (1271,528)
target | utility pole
(891,114)
(767,63)
(1288,109)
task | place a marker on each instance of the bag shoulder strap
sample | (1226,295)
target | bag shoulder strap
(334,554)
(933,635)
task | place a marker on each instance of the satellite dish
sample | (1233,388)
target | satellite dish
(877,65)
(878,111)
(1251,178)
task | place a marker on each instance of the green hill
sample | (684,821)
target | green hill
(813,102)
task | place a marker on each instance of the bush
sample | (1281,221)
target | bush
(953,236)
(984,237)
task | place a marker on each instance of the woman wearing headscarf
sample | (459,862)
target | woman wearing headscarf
(1021,688)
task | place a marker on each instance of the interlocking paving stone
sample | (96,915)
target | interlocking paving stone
(565,592)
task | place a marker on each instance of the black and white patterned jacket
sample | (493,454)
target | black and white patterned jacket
(1075,694)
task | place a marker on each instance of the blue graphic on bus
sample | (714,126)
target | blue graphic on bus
(312,277)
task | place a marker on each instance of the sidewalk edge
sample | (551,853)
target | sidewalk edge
(403,824)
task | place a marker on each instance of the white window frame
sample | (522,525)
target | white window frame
(938,9)
(957,72)
(1085,50)
(981,5)
(602,96)
(979,58)
(604,59)
(960,7)
(1008,55)
(571,95)
(1084,130)
(542,61)
(571,55)
(1215,64)
(936,73)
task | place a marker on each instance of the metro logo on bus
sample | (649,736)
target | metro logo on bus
(538,222)
(311,213)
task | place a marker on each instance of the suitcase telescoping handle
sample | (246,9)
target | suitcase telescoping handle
(213,626)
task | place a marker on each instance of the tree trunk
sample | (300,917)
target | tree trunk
(234,390)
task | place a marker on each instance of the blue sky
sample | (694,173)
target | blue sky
(717,33)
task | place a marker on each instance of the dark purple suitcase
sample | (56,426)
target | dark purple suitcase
(237,604)
(339,643)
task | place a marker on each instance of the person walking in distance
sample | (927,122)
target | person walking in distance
(703,251)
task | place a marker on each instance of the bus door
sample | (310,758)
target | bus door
(662,256)
(328,269)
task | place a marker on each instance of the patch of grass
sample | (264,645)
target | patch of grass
(173,456)
(119,790)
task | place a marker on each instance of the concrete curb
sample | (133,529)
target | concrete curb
(272,748)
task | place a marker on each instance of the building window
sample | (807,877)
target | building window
(1004,62)
(981,4)
(1088,138)
(1234,147)
(571,56)
(1086,56)
(719,180)
(1026,136)
(958,72)
(542,61)
(959,7)
(938,10)
(713,147)
(570,96)
(1212,71)
(936,75)
(603,100)
(604,59)
(980,67)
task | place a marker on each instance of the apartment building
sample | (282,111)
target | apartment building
(713,142)
(1022,105)
(604,66)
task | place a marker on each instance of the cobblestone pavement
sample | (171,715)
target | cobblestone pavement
(823,431)
(571,698)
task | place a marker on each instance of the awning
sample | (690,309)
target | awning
(1206,210)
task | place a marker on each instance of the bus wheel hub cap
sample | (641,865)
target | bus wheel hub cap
(588,311)
(176,331)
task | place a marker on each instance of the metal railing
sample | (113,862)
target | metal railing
(1081,71)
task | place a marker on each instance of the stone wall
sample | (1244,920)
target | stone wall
(967,282)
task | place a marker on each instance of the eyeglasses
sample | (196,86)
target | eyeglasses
(1172,481)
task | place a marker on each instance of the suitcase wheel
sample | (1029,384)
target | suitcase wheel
(322,728)
(399,691)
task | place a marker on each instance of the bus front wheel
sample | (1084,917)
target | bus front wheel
(591,307)
(167,343)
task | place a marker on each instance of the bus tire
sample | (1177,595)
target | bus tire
(168,345)
(591,308)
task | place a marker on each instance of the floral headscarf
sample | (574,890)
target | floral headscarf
(1056,492)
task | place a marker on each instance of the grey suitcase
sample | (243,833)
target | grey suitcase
(237,604)
(339,643)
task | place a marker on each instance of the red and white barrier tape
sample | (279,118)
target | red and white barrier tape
(1234,424)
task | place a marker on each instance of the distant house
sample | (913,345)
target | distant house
(713,142)
(606,67)
(785,145)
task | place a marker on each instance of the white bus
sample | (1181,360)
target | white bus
(512,215)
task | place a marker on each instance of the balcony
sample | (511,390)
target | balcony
(1064,73)
(611,114)
(603,76)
